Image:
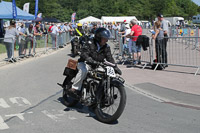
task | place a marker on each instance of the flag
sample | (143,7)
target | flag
(39,15)
(73,17)
(14,8)
(26,7)
(36,8)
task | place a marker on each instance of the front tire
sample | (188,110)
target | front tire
(118,101)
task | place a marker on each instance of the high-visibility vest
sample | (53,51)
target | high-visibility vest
(78,32)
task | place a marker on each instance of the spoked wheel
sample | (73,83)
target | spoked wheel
(109,108)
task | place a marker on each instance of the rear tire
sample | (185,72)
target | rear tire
(101,106)
(66,99)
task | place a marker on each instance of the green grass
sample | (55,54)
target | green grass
(2,48)
(40,44)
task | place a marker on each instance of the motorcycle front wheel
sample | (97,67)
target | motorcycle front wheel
(110,108)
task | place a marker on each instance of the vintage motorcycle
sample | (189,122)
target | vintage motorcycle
(78,43)
(102,90)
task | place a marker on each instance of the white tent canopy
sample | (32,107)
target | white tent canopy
(89,19)
(117,19)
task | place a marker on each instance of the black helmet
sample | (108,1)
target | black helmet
(101,33)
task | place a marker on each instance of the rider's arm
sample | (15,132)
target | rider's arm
(109,55)
(85,51)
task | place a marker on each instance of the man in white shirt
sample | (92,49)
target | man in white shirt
(54,32)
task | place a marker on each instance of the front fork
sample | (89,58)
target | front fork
(108,92)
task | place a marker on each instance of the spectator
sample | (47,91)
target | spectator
(2,31)
(54,32)
(127,40)
(66,27)
(159,39)
(29,39)
(94,29)
(164,26)
(122,30)
(22,41)
(37,34)
(10,38)
(136,30)
(49,30)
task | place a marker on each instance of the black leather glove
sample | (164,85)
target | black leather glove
(95,63)
(117,70)
(92,62)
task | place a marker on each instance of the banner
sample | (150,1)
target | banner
(14,8)
(36,8)
(26,7)
(39,15)
(73,17)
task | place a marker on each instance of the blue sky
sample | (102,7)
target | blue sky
(197,2)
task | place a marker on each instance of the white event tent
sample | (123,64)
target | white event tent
(117,19)
(89,19)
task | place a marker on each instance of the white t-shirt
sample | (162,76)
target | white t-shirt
(127,31)
(54,29)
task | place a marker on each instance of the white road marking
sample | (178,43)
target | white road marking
(136,89)
(19,101)
(20,116)
(3,103)
(3,125)
(53,117)
(71,117)
(30,112)
(56,117)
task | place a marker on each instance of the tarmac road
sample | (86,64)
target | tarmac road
(30,102)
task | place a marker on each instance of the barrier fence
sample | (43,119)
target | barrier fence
(32,46)
(180,51)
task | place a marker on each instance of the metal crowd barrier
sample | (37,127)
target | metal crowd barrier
(33,46)
(181,51)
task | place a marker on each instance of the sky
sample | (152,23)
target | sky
(197,2)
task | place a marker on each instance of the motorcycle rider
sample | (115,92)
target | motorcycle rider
(93,52)
(77,32)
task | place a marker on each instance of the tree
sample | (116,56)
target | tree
(142,9)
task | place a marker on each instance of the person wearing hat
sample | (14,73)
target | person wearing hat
(164,26)
(10,38)
(77,32)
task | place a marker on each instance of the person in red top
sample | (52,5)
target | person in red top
(136,30)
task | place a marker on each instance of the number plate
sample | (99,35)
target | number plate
(110,71)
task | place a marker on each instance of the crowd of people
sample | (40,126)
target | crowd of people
(27,33)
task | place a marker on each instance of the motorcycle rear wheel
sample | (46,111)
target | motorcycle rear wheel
(66,99)
(110,113)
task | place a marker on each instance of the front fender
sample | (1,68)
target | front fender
(114,81)
(117,82)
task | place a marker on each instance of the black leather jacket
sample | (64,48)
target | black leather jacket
(90,54)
